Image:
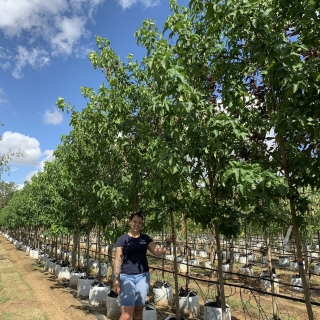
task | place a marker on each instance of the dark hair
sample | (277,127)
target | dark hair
(136,214)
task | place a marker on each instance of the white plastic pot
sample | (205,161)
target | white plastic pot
(317,269)
(212,312)
(265,282)
(182,267)
(247,270)
(283,261)
(113,306)
(162,294)
(74,277)
(189,305)
(149,312)
(203,254)
(63,272)
(207,264)
(264,259)
(243,259)
(296,283)
(98,294)
(83,288)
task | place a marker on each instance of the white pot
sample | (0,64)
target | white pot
(215,313)
(189,305)
(98,294)
(83,288)
(246,270)
(317,269)
(283,261)
(296,284)
(182,267)
(243,259)
(264,259)
(225,267)
(113,307)
(207,264)
(203,254)
(149,312)
(74,277)
(163,296)
(63,273)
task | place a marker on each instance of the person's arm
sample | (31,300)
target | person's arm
(162,250)
(116,269)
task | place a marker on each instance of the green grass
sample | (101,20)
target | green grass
(4,298)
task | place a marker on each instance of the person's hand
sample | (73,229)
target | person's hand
(116,286)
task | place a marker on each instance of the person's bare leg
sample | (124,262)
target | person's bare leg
(126,313)
(137,313)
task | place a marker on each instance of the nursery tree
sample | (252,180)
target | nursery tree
(268,67)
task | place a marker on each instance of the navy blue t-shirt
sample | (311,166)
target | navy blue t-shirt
(134,253)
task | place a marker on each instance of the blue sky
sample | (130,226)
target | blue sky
(43,56)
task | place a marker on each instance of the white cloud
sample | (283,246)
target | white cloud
(70,31)
(36,58)
(20,186)
(30,175)
(55,117)
(60,23)
(27,147)
(48,157)
(13,169)
(2,100)
(126,4)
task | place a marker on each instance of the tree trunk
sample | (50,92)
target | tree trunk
(269,261)
(296,230)
(220,275)
(176,285)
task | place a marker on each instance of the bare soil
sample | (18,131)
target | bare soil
(28,293)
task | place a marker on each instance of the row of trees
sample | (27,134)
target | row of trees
(219,121)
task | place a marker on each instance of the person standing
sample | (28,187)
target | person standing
(131,269)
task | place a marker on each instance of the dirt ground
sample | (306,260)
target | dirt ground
(27,293)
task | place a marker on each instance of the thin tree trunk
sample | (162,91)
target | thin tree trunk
(176,285)
(296,231)
(74,250)
(269,261)
(220,275)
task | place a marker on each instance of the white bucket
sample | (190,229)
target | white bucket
(189,305)
(296,281)
(63,273)
(162,294)
(236,256)
(194,262)
(283,261)
(203,254)
(74,277)
(113,307)
(98,294)
(215,313)
(225,267)
(252,257)
(149,312)
(314,254)
(243,259)
(207,264)
(265,282)
(294,266)
(246,270)
(317,269)
(83,288)
(182,267)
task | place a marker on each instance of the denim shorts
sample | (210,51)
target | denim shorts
(134,289)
